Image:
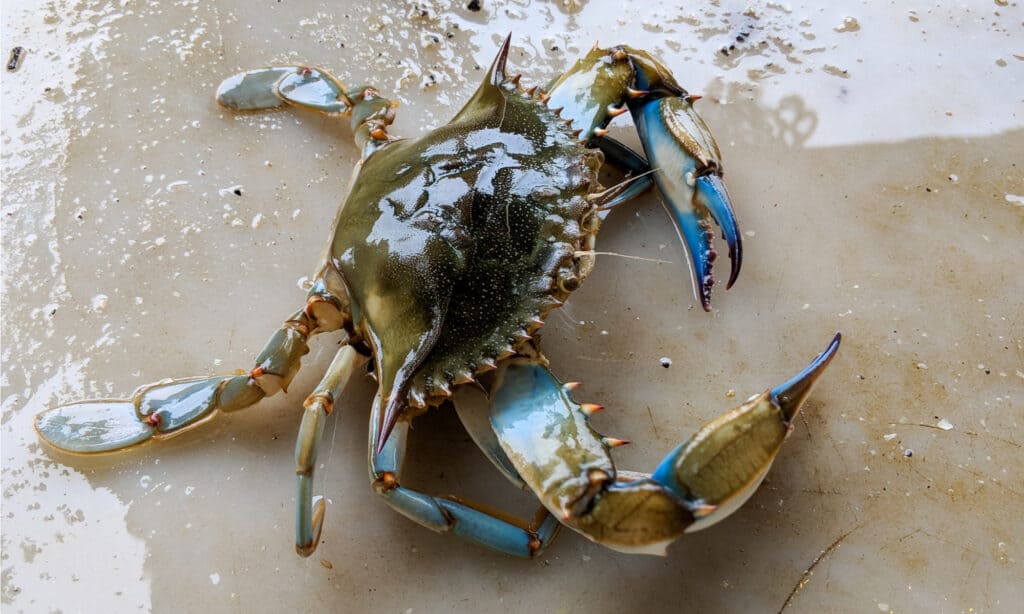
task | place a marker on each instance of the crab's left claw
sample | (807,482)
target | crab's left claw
(547,437)
(688,172)
(721,465)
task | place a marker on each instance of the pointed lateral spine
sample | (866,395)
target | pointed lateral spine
(614,442)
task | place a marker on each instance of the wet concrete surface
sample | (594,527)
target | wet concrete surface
(874,158)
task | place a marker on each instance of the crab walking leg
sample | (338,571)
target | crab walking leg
(169,408)
(629,162)
(609,82)
(471,406)
(548,438)
(474,522)
(309,516)
(314,89)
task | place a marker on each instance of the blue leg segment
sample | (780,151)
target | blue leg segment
(629,162)
(471,405)
(470,521)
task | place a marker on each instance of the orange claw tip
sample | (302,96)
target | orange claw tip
(592,408)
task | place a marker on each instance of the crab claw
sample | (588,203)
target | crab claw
(688,168)
(721,465)
(546,436)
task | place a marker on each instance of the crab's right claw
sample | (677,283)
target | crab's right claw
(682,151)
(278,86)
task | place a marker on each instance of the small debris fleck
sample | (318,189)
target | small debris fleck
(99,303)
(889,436)
(908,453)
(14,60)
(665,361)
(474,5)
(215,578)
(235,189)
(327,564)
(257,221)
(945,425)
(850,24)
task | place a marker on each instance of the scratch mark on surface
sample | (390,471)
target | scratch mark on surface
(654,423)
(968,433)
(806,577)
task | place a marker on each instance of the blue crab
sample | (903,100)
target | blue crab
(445,258)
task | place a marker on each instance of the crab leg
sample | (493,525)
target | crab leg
(605,84)
(629,162)
(314,89)
(549,439)
(471,521)
(168,408)
(471,406)
(309,514)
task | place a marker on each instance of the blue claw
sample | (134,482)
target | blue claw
(680,148)
(711,194)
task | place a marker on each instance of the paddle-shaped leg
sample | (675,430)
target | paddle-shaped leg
(548,438)
(313,89)
(169,408)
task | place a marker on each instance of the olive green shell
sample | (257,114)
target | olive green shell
(454,246)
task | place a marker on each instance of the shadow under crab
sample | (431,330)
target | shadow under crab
(446,256)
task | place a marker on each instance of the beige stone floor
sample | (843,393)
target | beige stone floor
(874,157)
